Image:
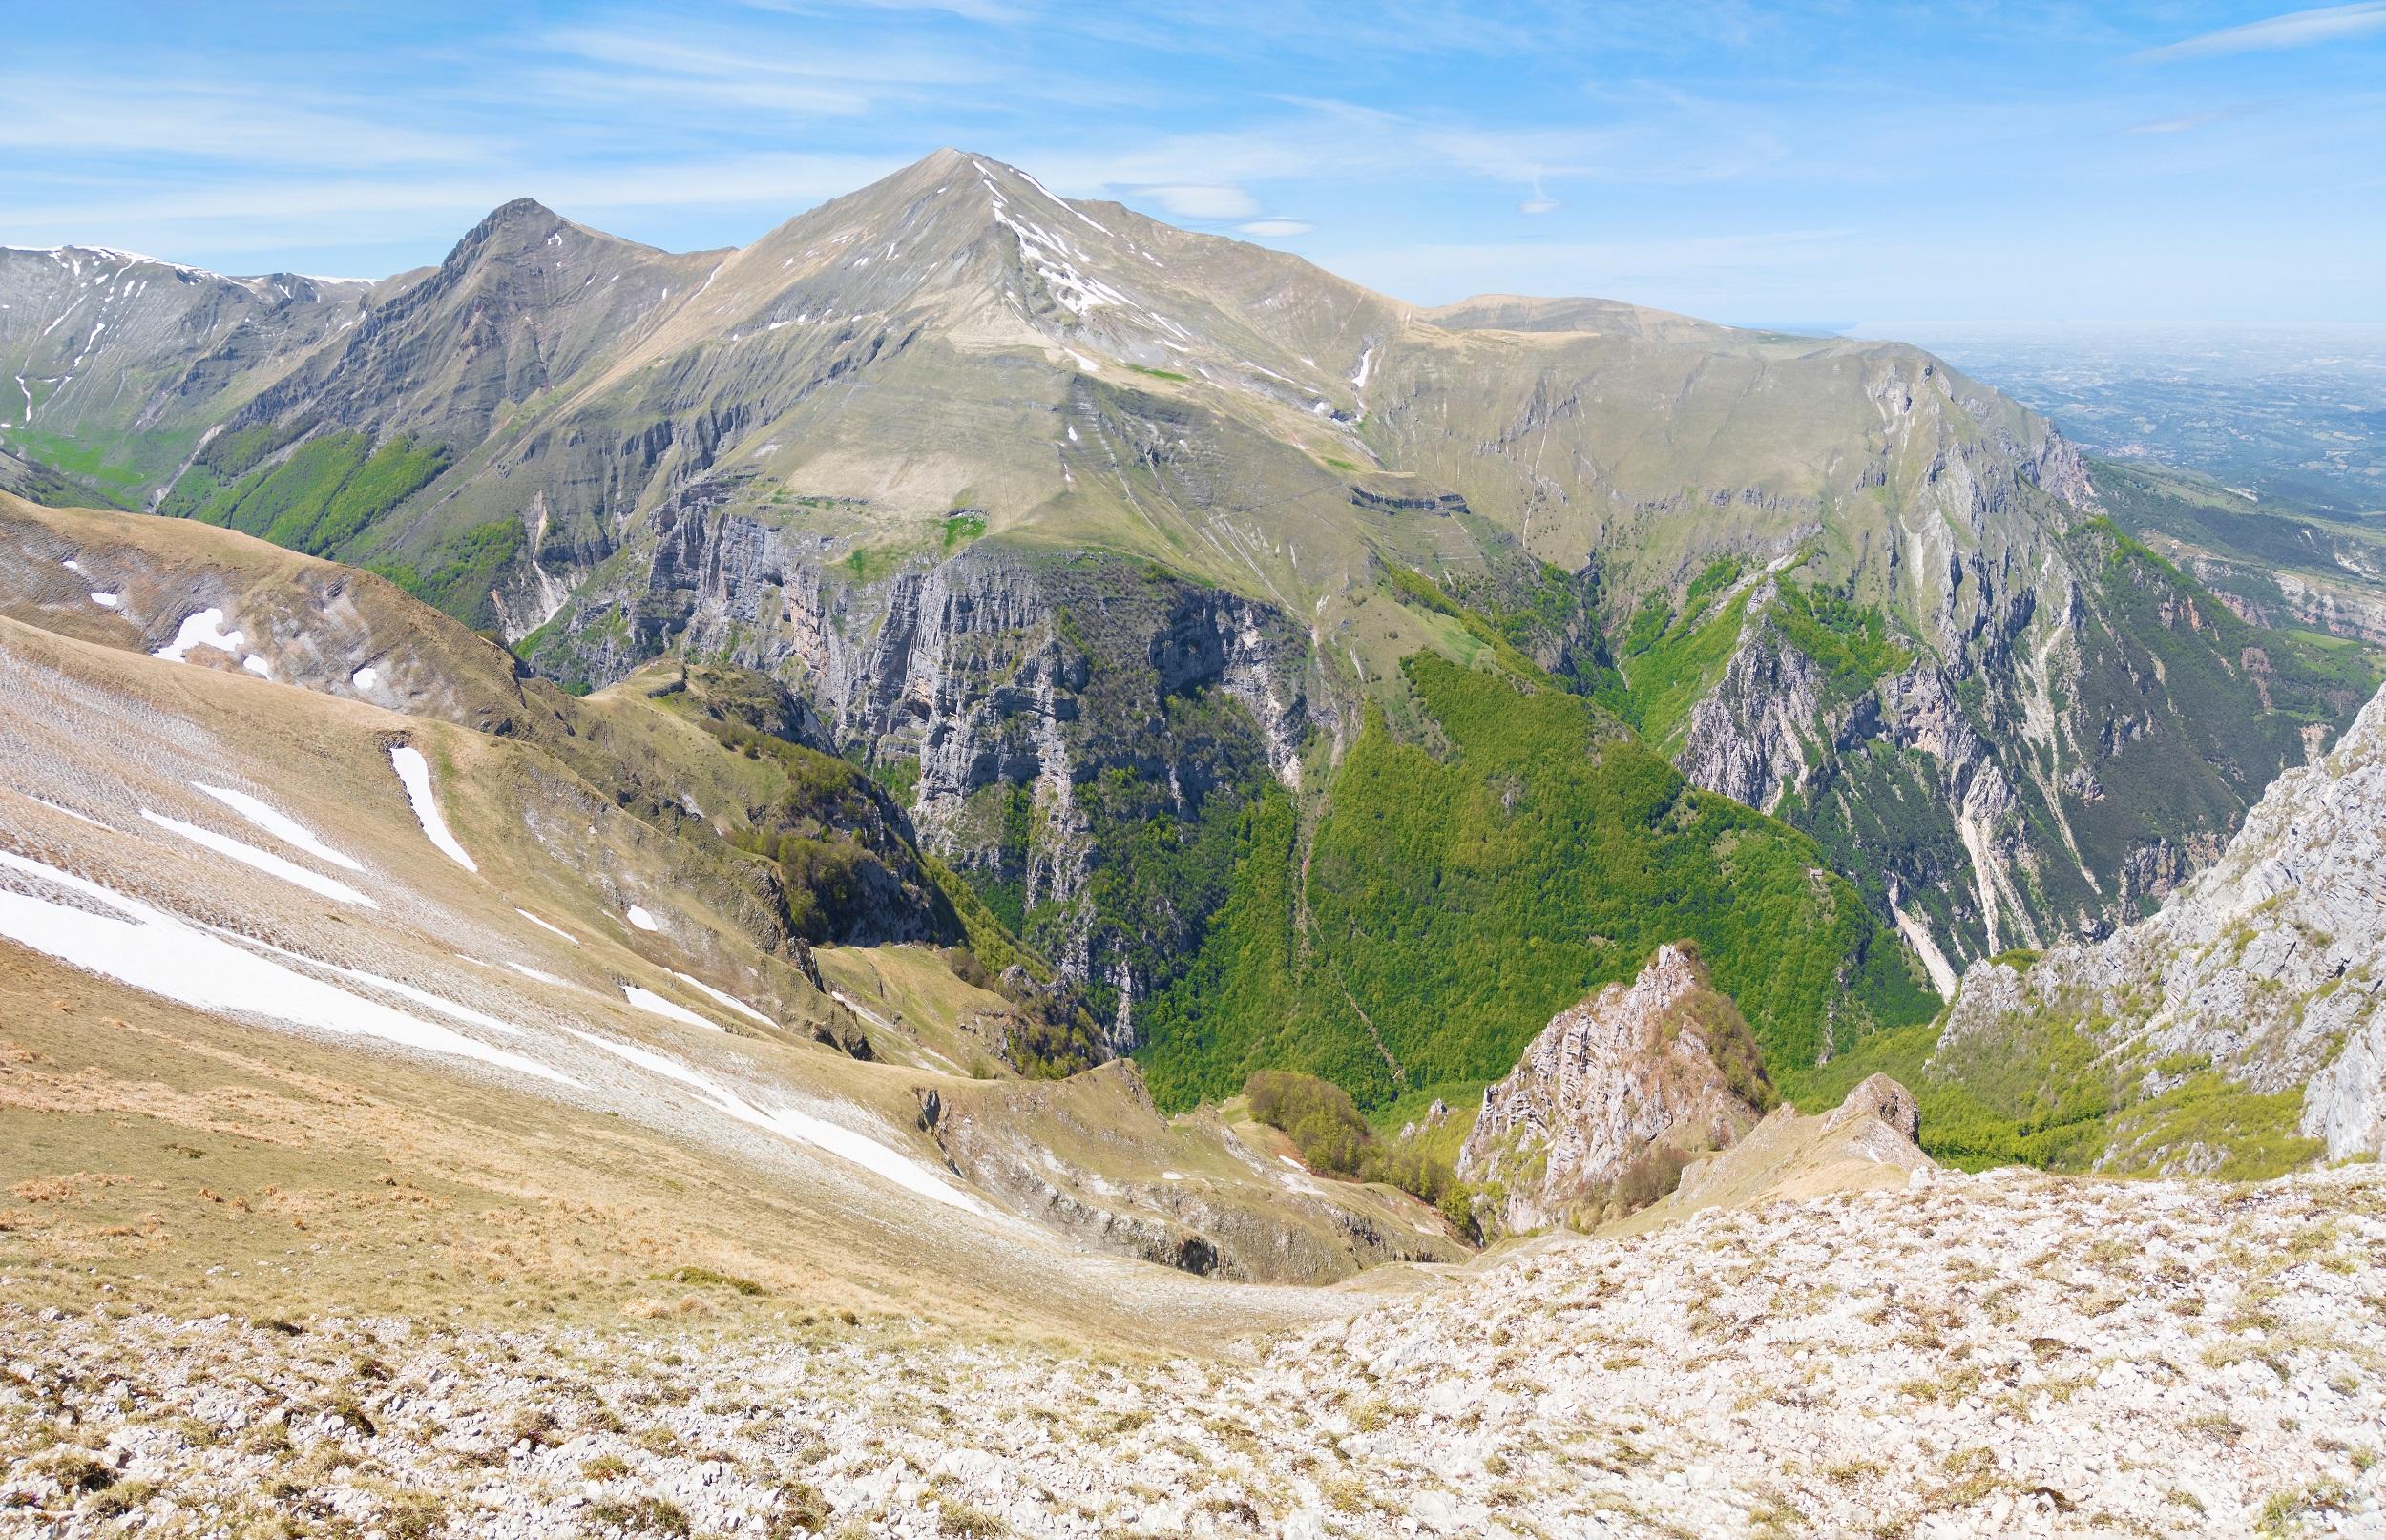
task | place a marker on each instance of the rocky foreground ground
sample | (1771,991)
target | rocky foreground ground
(2006,1354)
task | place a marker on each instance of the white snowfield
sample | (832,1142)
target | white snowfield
(365,678)
(414,771)
(643,919)
(725,997)
(802,1128)
(132,942)
(544,925)
(278,824)
(264,861)
(648,1000)
(205,629)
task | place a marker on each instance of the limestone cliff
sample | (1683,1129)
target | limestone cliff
(1634,1077)
(1044,703)
(2266,965)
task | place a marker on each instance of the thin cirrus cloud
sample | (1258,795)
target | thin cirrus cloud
(2189,122)
(183,120)
(1199,200)
(1275,227)
(2296,28)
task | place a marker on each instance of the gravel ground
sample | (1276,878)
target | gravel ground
(2007,1354)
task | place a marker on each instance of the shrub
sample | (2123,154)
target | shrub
(1326,1126)
(1653,1176)
(640,1515)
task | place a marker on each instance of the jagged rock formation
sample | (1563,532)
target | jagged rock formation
(1010,680)
(1661,1065)
(2266,965)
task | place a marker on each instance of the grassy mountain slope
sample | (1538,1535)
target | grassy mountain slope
(2275,564)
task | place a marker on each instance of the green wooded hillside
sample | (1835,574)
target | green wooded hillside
(1455,894)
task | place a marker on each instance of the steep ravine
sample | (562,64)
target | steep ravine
(1035,709)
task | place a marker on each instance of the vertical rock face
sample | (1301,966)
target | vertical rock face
(2065,729)
(2270,963)
(1013,682)
(1662,1063)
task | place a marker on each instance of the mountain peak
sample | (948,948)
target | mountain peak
(519,211)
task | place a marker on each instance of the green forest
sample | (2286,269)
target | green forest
(1455,894)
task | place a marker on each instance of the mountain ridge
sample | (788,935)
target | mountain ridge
(894,438)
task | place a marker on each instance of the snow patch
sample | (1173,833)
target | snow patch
(365,679)
(544,925)
(264,861)
(649,1000)
(642,918)
(152,951)
(107,601)
(205,629)
(278,824)
(414,771)
(730,1000)
(61,807)
(801,1128)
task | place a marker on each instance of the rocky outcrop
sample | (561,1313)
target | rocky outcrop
(1865,1144)
(1011,680)
(1749,738)
(1662,1067)
(2269,964)
(1089,1156)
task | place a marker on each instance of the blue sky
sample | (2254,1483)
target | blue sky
(1931,165)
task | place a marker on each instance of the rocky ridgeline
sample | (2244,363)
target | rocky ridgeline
(2266,964)
(1662,1067)
(2004,1354)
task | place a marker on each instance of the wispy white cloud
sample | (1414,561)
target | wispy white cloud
(2296,28)
(1200,200)
(983,11)
(1275,227)
(2189,122)
(183,119)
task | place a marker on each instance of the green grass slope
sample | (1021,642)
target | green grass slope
(2042,1096)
